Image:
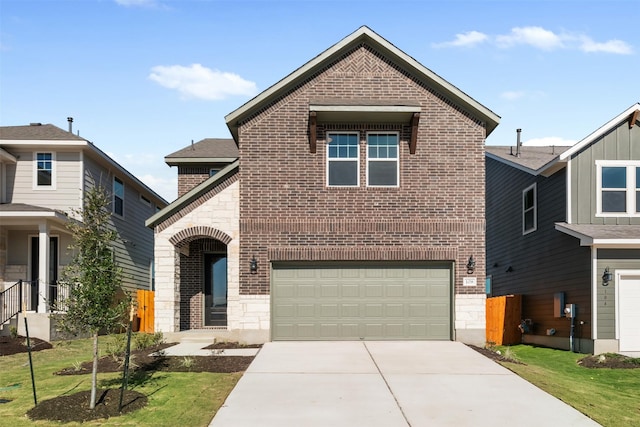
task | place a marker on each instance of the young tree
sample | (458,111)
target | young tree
(92,276)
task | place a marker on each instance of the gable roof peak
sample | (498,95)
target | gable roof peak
(374,40)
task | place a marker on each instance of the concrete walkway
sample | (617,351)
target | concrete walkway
(386,384)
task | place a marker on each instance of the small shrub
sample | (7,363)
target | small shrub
(116,346)
(77,366)
(187,362)
(142,340)
(13,331)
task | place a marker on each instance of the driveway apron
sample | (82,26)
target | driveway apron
(386,383)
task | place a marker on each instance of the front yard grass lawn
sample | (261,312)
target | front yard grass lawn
(609,396)
(174,398)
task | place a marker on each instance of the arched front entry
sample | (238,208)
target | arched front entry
(203,278)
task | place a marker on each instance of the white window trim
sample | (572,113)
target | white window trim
(535,209)
(342,160)
(53,171)
(113,189)
(397,159)
(631,166)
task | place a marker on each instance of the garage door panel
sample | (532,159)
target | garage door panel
(374,290)
(329,310)
(361,302)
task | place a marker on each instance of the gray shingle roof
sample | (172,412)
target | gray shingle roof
(37,132)
(209,148)
(600,233)
(531,157)
(22,207)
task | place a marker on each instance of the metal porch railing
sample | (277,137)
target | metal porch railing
(23,295)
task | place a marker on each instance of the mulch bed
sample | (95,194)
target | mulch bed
(13,345)
(75,407)
(609,360)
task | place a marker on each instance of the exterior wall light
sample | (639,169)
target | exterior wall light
(471,265)
(606,277)
(253,265)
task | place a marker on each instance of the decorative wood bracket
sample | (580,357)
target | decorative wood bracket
(313,135)
(633,118)
(414,133)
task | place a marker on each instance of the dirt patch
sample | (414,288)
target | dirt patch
(75,407)
(610,360)
(143,361)
(13,345)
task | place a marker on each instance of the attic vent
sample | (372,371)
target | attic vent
(35,124)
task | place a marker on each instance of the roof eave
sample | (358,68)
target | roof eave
(488,118)
(177,161)
(593,136)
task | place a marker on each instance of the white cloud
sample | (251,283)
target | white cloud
(166,187)
(539,38)
(534,36)
(196,81)
(549,140)
(611,46)
(135,3)
(513,95)
(470,38)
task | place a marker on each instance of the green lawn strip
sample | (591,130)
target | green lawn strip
(609,396)
(174,398)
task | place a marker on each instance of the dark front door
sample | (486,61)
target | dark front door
(215,290)
(35,271)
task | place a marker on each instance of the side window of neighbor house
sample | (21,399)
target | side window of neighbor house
(614,189)
(382,159)
(343,162)
(118,197)
(529,210)
(44,173)
(618,188)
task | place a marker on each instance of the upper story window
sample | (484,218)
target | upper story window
(343,159)
(529,209)
(118,196)
(213,171)
(145,200)
(44,171)
(382,159)
(618,188)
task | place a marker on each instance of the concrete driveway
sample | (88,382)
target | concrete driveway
(386,384)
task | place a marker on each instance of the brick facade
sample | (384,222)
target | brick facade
(288,212)
(189,177)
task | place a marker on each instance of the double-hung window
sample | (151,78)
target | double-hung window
(118,196)
(382,159)
(618,188)
(44,172)
(343,159)
(529,210)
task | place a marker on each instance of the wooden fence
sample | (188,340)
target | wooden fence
(145,311)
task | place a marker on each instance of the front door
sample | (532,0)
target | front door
(215,290)
(35,271)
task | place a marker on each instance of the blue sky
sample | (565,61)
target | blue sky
(143,78)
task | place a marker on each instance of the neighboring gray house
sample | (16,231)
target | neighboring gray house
(355,209)
(44,174)
(563,227)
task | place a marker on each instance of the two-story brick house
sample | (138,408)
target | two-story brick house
(44,174)
(355,209)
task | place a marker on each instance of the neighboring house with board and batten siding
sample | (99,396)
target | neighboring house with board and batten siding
(563,228)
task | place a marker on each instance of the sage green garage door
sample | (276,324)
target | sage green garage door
(361,301)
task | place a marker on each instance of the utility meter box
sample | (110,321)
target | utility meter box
(558,304)
(570,310)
